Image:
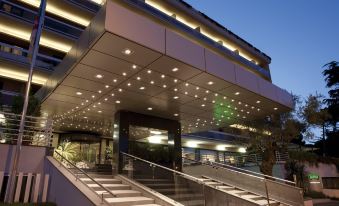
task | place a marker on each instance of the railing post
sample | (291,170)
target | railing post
(267,195)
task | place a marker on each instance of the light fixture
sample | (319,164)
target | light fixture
(155,132)
(192,144)
(127,51)
(152,82)
(210,83)
(107,86)
(105,99)
(164,86)
(275,108)
(138,78)
(149,108)
(237,93)
(186,93)
(203,105)
(175,69)
(142,88)
(79,93)
(99,76)
(134,66)
(115,80)
(124,74)
(176,114)
(186,84)
(258,102)
(162,76)
(197,88)
(196,96)
(99,91)
(99,111)
(93,96)
(118,102)
(128,84)
(175,89)
(120,90)
(149,71)
(175,97)
(175,80)
(155,139)
(242,150)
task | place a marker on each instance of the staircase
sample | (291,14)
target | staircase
(178,192)
(124,195)
(232,190)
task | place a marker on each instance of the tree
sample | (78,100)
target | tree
(331,74)
(274,133)
(315,114)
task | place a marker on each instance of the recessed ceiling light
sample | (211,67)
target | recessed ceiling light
(85,117)
(118,102)
(175,69)
(99,91)
(79,93)
(120,90)
(106,99)
(275,108)
(175,89)
(152,82)
(138,78)
(162,76)
(93,96)
(175,80)
(239,102)
(186,93)
(149,108)
(86,100)
(176,114)
(149,71)
(216,94)
(258,102)
(186,84)
(258,109)
(142,88)
(129,84)
(115,80)
(134,66)
(164,86)
(232,100)
(202,105)
(210,83)
(112,94)
(99,76)
(207,91)
(99,111)
(107,86)
(197,88)
(237,93)
(127,51)
(124,74)
(196,96)
(175,97)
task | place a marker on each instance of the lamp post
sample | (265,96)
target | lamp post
(33,50)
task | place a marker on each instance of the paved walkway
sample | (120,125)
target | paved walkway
(329,203)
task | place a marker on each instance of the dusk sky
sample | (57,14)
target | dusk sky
(299,35)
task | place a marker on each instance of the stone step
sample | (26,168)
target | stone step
(224,187)
(127,201)
(120,193)
(252,197)
(111,186)
(237,192)
(102,180)
(214,183)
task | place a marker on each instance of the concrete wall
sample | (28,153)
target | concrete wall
(31,158)
(323,170)
(64,190)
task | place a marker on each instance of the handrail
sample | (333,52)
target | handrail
(83,172)
(19,115)
(165,168)
(243,171)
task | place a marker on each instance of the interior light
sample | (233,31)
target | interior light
(242,150)
(176,114)
(99,76)
(120,90)
(115,80)
(171,142)
(155,139)
(221,147)
(79,93)
(128,84)
(192,144)
(258,102)
(152,82)
(203,105)
(99,91)
(155,132)
(134,66)
(175,80)
(162,76)
(138,78)
(2,119)
(150,108)
(93,96)
(142,88)
(118,102)
(124,74)
(149,71)
(107,86)
(99,111)
(275,108)
(186,84)
(127,51)
(175,69)
(164,86)
(175,97)
(237,93)
(210,83)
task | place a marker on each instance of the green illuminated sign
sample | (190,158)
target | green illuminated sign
(313,176)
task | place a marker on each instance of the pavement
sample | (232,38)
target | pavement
(327,203)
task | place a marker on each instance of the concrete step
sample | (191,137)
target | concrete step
(226,188)
(252,197)
(237,192)
(127,201)
(102,180)
(111,186)
(213,184)
(120,193)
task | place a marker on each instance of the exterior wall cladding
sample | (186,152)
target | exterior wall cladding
(252,76)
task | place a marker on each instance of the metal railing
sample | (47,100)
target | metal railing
(43,61)
(184,189)
(27,15)
(274,188)
(67,164)
(256,159)
(37,130)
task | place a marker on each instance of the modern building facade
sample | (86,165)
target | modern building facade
(141,72)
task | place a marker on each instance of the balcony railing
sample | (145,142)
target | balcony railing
(27,15)
(37,130)
(19,54)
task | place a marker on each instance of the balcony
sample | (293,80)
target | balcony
(11,9)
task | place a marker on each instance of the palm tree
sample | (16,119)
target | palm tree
(67,150)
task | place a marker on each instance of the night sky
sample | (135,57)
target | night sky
(299,35)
